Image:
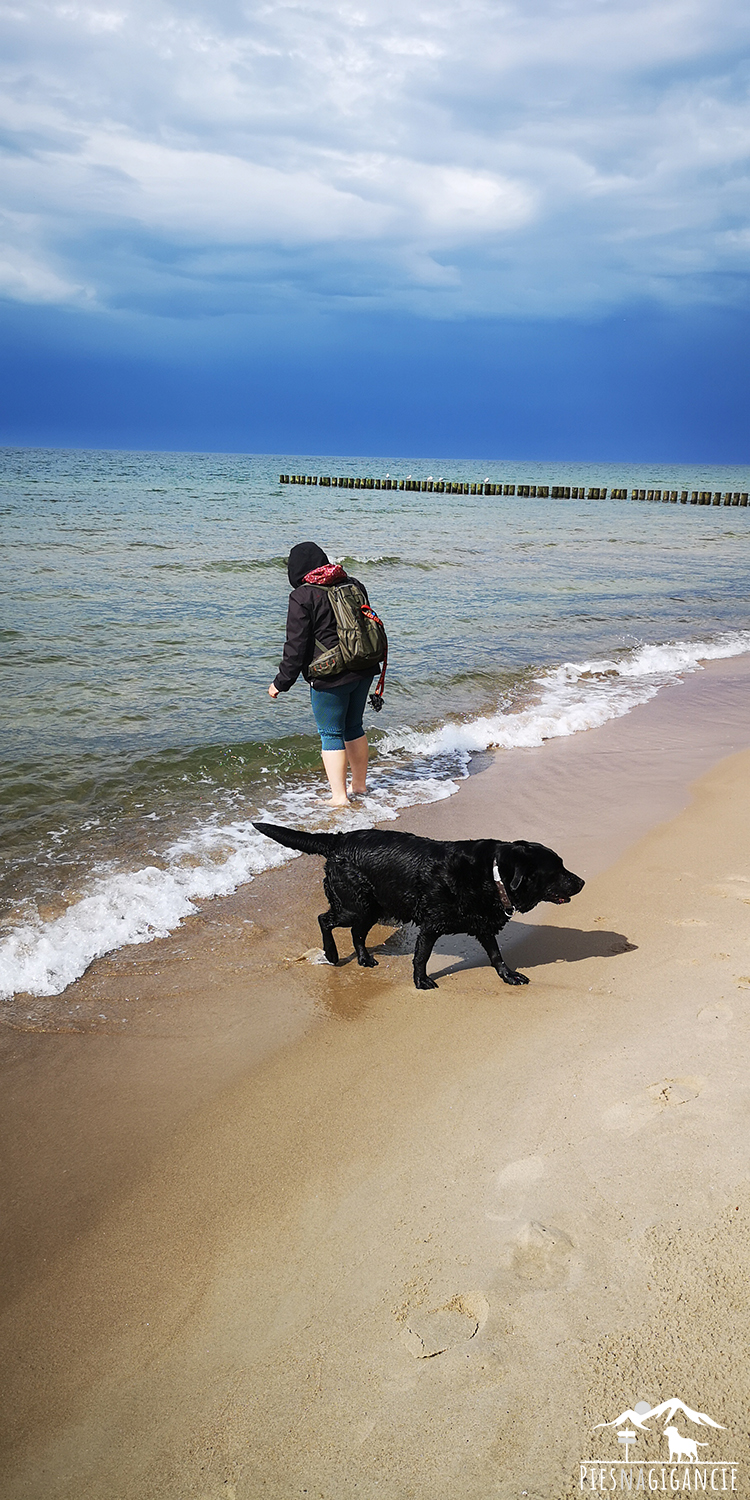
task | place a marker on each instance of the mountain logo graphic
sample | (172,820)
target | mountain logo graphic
(643,1412)
(649,1441)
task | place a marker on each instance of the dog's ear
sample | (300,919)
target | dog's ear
(511,864)
(521,868)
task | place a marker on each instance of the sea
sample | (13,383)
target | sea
(143,619)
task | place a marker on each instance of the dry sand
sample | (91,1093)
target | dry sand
(275,1229)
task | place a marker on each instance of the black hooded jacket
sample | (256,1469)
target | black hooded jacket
(310,618)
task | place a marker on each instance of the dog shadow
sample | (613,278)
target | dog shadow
(524,947)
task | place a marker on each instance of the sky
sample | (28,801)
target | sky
(461,229)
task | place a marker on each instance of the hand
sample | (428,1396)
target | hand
(273,692)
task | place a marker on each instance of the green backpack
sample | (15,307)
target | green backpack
(362,639)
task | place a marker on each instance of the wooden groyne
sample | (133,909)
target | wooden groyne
(543,491)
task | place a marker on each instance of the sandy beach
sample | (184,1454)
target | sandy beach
(273,1228)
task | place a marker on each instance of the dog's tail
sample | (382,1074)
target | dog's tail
(296,838)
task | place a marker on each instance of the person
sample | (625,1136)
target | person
(338,702)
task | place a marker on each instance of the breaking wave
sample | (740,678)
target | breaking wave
(220,853)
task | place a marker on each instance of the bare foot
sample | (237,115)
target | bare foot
(358,791)
(332,802)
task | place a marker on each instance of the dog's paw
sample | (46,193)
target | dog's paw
(367,961)
(512,976)
(424,983)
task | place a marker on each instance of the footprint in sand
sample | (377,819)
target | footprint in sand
(513,1184)
(521,1173)
(737,886)
(674,1091)
(430,1331)
(542,1254)
(715,1018)
(631,1115)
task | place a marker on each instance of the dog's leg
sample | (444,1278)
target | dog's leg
(327,921)
(510,976)
(359,939)
(426,940)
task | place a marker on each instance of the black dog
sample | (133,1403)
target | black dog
(473,886)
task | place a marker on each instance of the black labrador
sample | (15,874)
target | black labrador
(473,886)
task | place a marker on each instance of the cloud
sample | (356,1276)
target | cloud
(456,159)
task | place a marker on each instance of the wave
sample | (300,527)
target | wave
(211,859)
(254,564)
(570,698)
(43,958)
(391,561)
(222,565)
(215,856)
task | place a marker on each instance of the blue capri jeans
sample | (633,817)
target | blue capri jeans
(338,712)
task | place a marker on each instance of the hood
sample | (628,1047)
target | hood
(302,559)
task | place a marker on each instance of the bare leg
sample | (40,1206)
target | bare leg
(356,751)
(335,769)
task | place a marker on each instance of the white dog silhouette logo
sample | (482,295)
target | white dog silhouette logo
(682,1447)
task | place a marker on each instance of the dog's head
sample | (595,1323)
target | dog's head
(532,873)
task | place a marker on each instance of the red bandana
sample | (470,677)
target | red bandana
(328,574)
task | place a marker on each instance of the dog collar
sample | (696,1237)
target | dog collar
(505,901)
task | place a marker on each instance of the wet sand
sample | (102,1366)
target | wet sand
(277,1229)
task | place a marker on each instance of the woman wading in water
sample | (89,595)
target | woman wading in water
(338,701)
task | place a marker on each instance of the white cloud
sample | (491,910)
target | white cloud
(25,274)
(470,154)
(24,279)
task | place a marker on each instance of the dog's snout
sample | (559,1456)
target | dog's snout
(567,886)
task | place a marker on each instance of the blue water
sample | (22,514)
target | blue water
(144,618)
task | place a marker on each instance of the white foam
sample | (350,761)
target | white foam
(211,859)
(572,697)
(215,857)
(43,958)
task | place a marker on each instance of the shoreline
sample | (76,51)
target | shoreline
(154,892)
(135,890)
(233,1149)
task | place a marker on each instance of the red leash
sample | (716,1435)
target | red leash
(376,698)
